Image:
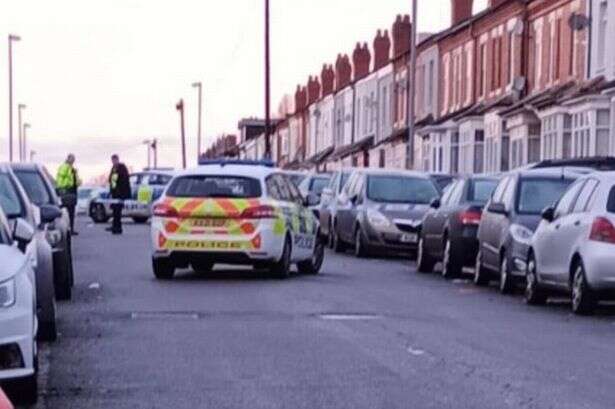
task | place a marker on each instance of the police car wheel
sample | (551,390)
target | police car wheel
(313,265)
(98,213)
(281,268)
(163,268)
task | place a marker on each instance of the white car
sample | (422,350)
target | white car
(573,249)
(84,197)
(18,324)
(234,212)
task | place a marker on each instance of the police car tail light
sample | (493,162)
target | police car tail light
(258,212)
(164,210)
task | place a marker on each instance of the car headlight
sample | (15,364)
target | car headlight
(53,237)
(7,293)
(521,234)
(377,219)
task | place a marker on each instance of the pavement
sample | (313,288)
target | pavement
(365,333)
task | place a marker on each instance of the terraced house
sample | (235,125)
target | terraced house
(519,82)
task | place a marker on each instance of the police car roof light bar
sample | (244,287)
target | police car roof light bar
(245,162)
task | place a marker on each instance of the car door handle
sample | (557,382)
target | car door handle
(577,223)
(557,226)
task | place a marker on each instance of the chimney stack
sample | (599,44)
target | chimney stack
(461,10)
(327,78)
(361,59)
(300,98)
(313,90)
(382,49)
(343,72)
(402,33)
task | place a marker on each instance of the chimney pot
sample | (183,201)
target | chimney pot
(462,10)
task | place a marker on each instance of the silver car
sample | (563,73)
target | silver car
(18,209)
(573,249)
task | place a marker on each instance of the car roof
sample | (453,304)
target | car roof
(555,172)
(393,172)
(25,166)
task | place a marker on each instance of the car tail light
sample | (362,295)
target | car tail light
(603,231)
(470,217)
(164,210)
(258,212)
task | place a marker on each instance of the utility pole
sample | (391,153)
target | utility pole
(411,89)
(155,152)
(12,38)
(148,145)
(267,85)
(26,126)
(199,87)
(22,148)
(180,108)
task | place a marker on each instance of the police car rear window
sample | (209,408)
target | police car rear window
(214,186)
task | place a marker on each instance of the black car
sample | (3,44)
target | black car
(510,219)
(450,227)
(39,187)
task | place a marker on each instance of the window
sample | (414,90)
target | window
(35,187)
(318,184)
(448,192)
(498,193)
(511,57)
(557,49)
(454,167)
(214,186)
(565,203)
(602,33)
(283,188)
(10,201)
(401,189)
(483,69)
(610,206)
(295,194)
(382,158)
(536,194)
(585,196)
(581,135)
(603,119)
(456,193)
(430,85)
(481,189)
(479,151)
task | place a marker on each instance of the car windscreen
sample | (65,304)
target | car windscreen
(296,178)
(400,189)
(318,184)
(84,193)
(211,186)
(9,198)
(481,189)
(35,187)
(536,194)
(345,177)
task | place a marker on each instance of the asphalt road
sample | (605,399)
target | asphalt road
(363,334)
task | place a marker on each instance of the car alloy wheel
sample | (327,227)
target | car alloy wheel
(583,301)
(505,278)
(533,294)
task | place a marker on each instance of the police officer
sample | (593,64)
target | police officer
(119,186)
(67,182)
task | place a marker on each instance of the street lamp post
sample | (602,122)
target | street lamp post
(155,152)
(267,85)
(411,78)
(26,126)
(12,38)
(22,149)
(180,108)
(148,145)
(199,87)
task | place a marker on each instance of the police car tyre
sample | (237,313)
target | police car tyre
(99,214)
(63,282)
(163,268)
(281,268)
(140,220)
(202,267)
(314,264)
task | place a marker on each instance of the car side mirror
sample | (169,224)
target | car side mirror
(23,233)
(497,208)
(435,203)
(548,214)
(49,213)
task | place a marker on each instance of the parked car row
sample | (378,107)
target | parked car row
(547,228)
(37,270)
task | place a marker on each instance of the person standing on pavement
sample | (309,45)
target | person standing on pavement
(67,182)
(119,186)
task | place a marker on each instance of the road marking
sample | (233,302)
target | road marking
(164,315)
(415,352)
(349,317)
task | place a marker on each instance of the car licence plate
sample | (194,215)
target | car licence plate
(408,238)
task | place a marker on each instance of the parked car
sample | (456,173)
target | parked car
(18,351)
(18,210)
(329,200)
(313,185)
(510,219)
(85,195)
(296,176)
(451,225)
(382,211)
(442,180)
(146,187)
(41,192)
(573,249)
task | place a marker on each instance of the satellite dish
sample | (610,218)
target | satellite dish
(578,22)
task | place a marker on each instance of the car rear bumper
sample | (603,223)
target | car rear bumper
(599,263)
(391,241)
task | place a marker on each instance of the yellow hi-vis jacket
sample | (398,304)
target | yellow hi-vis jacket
(66,177)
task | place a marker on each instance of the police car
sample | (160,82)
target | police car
(234,212)
(146,187)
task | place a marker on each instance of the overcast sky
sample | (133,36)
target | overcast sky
(101,76)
